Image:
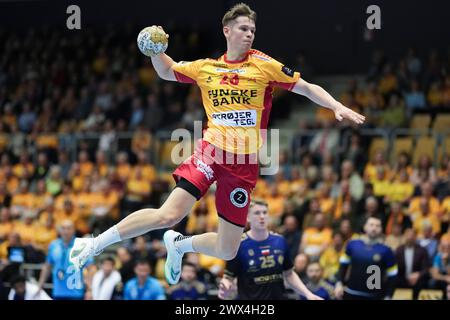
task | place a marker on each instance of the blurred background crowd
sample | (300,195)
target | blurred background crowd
(85,129)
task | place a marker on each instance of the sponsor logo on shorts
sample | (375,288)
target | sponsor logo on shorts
(239,197)
(205,169)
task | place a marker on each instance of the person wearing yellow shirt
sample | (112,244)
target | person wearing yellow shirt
(379,160)
(123,167)
(40,196)
(329,260)
(24,169)
(6,225)
(403,164)
(27,229)
(261,189)
(381,184)
(13,240)
(327,203)
(400,190)
(275,201)
(148,170)
(426,194)
(86,166)
(137,191)
(45,234)
(22,200)
(141,140)
(75,176)
(283,185)
(317,238)
(69,212)
(101,164)
(424,216)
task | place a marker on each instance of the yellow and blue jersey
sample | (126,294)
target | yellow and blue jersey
(361,256)
(259,267)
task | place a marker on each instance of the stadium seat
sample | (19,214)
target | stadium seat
(403,294)
(424,145)
(420,121)
(430,294)
(444,148)
(441,123)
(400,145)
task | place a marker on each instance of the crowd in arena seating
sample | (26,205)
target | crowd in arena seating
(53,86)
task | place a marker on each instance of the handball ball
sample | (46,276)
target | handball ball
(152,41)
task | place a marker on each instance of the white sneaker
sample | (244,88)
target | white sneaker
(82,250)
(174,258)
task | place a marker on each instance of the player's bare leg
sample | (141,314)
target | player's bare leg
(224,245)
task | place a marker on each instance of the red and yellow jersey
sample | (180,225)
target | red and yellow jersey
(237,97)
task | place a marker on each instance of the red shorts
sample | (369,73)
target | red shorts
(236,176)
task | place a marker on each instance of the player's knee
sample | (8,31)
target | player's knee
(228,253)
(169,219)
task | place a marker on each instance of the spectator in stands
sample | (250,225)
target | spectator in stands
(292,233)
(317,238)
(441,266)
(329,260)
(414,98)
(413,264)
(324,141)
(426,193)
(395,238)
(354,179)
(316,284)
(68,283)
(143,286)
(105,280)
(424,217)
(21,289)
(127,263)
(396,216)
(427,241)
(424,172)
(189,288)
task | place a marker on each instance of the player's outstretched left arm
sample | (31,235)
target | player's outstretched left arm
(318,95)
(294,281)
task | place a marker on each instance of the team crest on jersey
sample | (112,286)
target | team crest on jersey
(239,197)
(280,259)
(251,252)
(376,257)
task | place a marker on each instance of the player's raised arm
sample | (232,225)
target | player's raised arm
(163,67)
(153,42)
(318,95)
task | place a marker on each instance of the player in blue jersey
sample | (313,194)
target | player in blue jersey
(68,283)
(373,268)
(262,263)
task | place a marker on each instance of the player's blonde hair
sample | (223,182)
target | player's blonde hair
(238,10)
(259,202)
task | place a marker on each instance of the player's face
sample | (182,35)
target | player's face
(240,33)
(373,228)
(257,217)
